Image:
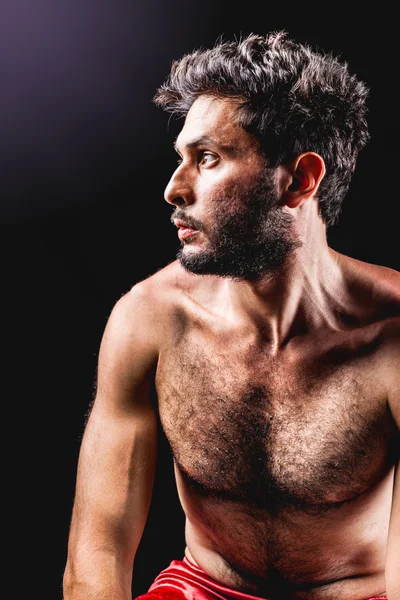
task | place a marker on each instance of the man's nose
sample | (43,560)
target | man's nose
(178,191)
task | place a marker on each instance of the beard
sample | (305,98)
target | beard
(251,235)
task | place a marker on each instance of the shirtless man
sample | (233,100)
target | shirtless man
(273,358)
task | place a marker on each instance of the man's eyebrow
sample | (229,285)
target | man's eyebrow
(203,140)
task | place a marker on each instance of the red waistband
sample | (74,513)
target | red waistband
(185,576)
(183,579)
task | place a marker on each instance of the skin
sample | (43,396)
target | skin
(278,394)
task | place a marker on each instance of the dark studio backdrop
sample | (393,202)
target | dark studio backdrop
(84,160)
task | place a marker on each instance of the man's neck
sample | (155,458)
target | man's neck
(307,292)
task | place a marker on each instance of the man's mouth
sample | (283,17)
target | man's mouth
(184,229)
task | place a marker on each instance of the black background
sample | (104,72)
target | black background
(85,157)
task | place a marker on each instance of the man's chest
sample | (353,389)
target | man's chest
(245,426)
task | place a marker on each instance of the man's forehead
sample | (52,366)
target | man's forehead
(210,107)
(210,119)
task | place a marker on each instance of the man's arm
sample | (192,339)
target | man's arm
(117,459)
(392,569)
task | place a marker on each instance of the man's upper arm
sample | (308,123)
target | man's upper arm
(118,452)
(393,547)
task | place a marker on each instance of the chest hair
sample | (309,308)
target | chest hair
(248,428)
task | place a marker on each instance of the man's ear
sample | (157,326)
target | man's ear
(305,174)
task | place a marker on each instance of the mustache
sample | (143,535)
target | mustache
(179,215)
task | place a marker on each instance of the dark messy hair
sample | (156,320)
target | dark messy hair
(293,99)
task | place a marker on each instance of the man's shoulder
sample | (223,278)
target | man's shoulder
(167,279)
(141,314)
(388,277)
(161,291)
(378,284)
(376,289)
(372,269)
(384,283)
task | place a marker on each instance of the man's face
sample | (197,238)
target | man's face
(227,198)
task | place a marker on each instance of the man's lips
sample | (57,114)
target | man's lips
(184,230)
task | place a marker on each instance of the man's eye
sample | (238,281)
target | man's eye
(207,158)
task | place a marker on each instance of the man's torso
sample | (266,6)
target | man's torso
(284,460)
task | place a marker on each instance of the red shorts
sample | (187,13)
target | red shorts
(183,580)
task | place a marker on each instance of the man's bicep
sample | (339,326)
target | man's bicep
(118,452)
(128,353)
